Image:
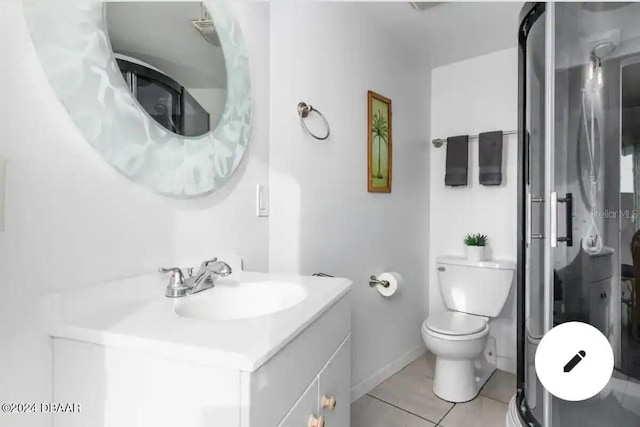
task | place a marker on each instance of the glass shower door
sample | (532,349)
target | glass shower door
(591,44)
(578,97)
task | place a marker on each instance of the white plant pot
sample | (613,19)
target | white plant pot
(475,253)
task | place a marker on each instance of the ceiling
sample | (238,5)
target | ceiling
(161,34)
(452,31)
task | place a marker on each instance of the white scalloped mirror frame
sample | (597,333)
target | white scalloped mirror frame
(73,46)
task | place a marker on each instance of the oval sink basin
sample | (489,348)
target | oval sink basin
(235,301)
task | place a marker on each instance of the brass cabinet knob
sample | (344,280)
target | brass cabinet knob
(316,421)
(329,402)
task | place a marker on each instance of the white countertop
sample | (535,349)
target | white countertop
(134,313)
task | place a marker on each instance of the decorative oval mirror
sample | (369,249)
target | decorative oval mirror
(160,89)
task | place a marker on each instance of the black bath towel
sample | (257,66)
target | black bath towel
(457,161)
(490,156)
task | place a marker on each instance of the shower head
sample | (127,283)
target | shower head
(599,52)
(602,50)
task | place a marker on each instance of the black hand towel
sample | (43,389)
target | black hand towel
(457,160)
(490,150)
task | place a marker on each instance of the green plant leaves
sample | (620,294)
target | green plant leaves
(476,239)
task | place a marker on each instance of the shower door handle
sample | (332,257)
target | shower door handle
(530,201)
(553,233)
(568,201)
(553,227)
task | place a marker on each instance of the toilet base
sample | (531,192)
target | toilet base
(460,381)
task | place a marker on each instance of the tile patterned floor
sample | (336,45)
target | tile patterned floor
(406,400)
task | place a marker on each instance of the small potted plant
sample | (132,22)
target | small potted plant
(474,245)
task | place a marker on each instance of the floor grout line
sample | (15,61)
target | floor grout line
(453,405)
(445,415)
(489,397)
(408,412)
(487,382)
(494,399)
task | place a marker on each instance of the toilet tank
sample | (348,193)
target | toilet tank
(475,287)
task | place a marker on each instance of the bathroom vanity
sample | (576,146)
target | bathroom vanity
(270,350)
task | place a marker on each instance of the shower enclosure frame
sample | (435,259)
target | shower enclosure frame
(529,15)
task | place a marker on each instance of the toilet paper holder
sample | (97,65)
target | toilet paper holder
(373,281)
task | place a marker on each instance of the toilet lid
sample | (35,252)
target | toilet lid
(455,323)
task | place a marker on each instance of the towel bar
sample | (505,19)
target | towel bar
(439,141)
(303,111)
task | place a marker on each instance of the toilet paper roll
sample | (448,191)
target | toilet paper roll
(394,279)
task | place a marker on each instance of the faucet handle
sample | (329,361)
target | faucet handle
(177,286)
(177,277)
(206,263)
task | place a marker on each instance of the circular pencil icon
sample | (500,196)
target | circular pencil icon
(574,361)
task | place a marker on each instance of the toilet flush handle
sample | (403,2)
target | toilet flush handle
(441,269)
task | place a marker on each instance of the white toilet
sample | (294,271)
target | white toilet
(473,292)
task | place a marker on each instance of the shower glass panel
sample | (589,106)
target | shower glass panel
(592,275)
(629,211)
(534,214)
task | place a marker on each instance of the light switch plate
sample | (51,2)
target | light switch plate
(262,200)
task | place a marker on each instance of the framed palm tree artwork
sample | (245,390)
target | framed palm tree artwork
(379,143)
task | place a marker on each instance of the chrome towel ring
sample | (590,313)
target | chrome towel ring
(303,111)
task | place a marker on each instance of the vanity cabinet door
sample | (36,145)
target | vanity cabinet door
(599,305)
(335,387)
(305,408)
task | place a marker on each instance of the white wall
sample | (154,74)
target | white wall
(226,222)
(322,217)
(73,220)
(468,97)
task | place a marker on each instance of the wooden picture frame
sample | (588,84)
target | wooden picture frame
(379,143)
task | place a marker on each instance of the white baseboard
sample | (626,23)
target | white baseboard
(369,383)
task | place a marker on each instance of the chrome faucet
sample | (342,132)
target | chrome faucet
(205,278)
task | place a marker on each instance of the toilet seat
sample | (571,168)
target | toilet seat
(454,325)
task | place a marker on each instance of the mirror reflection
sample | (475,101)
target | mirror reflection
(170,57)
